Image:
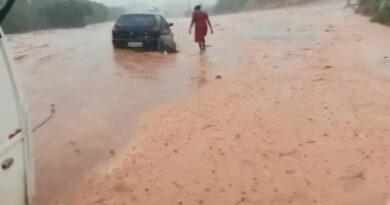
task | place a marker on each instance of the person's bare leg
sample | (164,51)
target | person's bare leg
(202,46)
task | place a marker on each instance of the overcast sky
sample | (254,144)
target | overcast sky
(157,2)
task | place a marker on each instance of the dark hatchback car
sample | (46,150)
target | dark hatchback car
(145,31)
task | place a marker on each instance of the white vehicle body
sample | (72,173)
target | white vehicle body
(16,164)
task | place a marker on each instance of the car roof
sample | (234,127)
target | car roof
(158,16)
(142,13)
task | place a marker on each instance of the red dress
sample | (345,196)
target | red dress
(200,19)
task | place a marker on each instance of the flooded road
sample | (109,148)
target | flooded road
(298,114)
(99,93)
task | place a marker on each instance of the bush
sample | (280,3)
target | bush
(379,10)
(382,16)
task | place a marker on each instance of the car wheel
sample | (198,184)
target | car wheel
(167,44)
(174,49)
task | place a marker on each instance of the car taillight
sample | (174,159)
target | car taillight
(116,27)
(156,31)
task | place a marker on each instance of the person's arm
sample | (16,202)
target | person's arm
(210,25)
(192,24)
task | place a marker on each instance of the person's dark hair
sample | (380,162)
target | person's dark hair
(198,7)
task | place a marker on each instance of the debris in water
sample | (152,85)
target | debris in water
(52,113)
(327,67)
(20,57)
(360,175)
(45,58)
(200,201)
(290,171)
(318,79)
(177,185)
(243,199)
(311,142)
(287,153)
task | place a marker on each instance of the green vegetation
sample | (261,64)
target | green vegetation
(379,10)
(46,14)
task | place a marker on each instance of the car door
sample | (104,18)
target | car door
(16,170)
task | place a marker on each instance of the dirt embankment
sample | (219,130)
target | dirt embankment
(268,4)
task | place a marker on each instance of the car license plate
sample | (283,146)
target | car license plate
(135,44)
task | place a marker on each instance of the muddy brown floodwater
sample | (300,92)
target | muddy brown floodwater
(99,93)
(288,106)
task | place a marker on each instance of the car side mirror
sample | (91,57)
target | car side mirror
(170,24)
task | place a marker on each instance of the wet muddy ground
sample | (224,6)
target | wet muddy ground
(288,106)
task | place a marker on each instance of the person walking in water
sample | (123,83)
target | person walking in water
(201,20)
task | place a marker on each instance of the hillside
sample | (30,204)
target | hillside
(238,5)
(256,4)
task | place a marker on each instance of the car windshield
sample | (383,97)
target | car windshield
(137,20)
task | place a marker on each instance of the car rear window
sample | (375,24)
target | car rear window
(137,20)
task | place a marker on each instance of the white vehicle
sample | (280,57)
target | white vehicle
(16,164)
